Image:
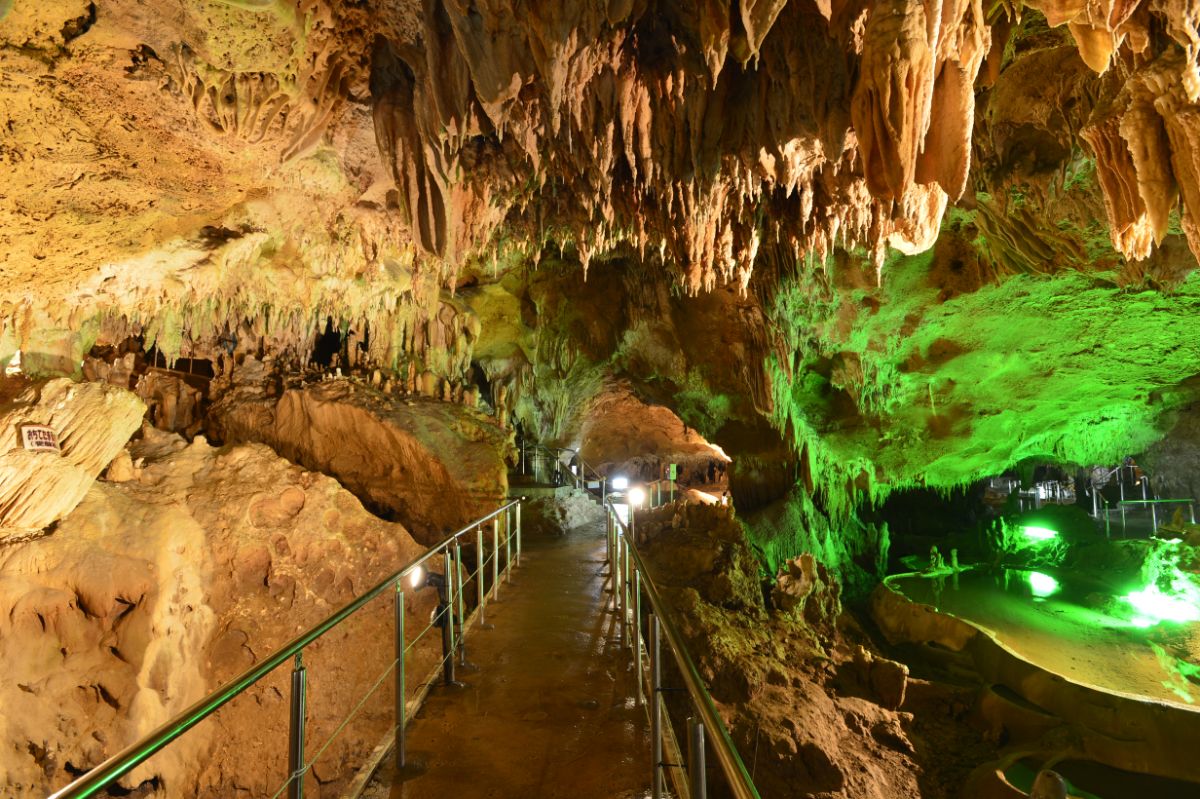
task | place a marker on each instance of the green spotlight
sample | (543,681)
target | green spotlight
(1039,533)
(1042,585)
(1153,605)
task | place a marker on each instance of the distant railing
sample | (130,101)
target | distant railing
(630,581)
(546,463)
(450,586)
(1153,504)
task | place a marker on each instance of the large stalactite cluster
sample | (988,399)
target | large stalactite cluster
(709,137)
(702,133)
(706,133)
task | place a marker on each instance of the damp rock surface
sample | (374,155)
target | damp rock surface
(157,590)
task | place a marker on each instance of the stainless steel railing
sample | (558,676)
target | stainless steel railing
(546,463)
(1153,505)
(630,582)
(447,617)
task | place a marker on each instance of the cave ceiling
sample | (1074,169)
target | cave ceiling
(181,169)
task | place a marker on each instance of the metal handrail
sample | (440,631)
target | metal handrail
(738,777)
(138,752)
(580,479)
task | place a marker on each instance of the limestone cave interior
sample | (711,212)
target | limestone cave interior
(878,321)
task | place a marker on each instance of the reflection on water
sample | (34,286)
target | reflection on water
(1072,626)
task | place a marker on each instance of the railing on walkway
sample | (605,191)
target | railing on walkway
(630,582)
(547,464)
(1125,505)
(450,614)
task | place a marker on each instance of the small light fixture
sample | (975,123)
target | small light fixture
(416,578)
(637,495)
(620,483)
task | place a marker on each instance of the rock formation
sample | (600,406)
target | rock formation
(431,465)
(91,423)
(157,590)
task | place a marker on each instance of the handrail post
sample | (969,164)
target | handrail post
(697,779)
(637,635)
(617,572)
(296,730)
(480,562)
(656,748)
(508,554)
(517,509)
(401,691)
(496,558)
(462,599)
(448,644)
(627,588)
(624,605)
(608,540)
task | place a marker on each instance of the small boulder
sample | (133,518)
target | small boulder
(1048,785)
(889,681)
(121,470)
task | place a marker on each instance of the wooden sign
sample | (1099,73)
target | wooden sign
(39,438)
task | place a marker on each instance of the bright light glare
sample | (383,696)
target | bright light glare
(1039,533)
(1042,585)
(620,483)
(1154,605)
(637,495)
(416,577)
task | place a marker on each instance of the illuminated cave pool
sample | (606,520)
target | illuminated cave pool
(1069,627)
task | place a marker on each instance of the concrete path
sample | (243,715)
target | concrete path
(550,710)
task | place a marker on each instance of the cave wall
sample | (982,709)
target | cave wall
(158,589)
(430,464)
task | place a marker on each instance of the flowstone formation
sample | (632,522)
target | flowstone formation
(799,681)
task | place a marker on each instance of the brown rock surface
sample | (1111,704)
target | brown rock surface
(431,465)
(157,590)
(625,435)
(92,422)
(814,700)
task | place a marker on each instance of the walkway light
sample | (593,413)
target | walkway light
(637,495)
(620,483)
(416,577)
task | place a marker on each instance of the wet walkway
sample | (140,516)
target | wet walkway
(549,712)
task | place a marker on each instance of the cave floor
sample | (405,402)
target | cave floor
(549,712)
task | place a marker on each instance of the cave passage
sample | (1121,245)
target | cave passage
(876,320)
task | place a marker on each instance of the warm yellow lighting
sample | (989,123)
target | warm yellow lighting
(637,495)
